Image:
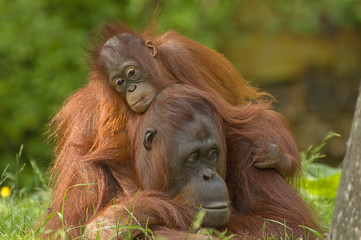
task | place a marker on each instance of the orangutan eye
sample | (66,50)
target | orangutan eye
(119,82)
(131,72)
(212,154)
(193,158)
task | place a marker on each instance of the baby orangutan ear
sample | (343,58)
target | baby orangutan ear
(148,138)
(151,48)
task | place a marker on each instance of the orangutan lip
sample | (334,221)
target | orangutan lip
(136,103)
(216,207)
(140,101)
(145,96)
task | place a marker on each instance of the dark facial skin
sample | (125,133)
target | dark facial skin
(196,163)
(125,73)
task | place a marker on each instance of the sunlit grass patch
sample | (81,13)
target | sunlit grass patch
(21,208)
(319,182)
(19,215)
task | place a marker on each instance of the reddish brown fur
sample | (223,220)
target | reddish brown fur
(196,65)
(256,195)
(91,131)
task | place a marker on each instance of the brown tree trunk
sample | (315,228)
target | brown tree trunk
(346,222)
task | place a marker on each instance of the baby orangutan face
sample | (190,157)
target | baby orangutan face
(121,58)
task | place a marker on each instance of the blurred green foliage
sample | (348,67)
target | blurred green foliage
(42,57)
(319,182)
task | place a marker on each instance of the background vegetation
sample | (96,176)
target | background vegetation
(42,61)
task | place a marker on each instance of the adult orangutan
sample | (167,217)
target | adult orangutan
(93,163)
(180,147)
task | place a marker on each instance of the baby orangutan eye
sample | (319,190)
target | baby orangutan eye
(118,82)
(131,72)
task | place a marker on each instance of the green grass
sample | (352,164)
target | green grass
(319,182)
(18,216)
(21,211)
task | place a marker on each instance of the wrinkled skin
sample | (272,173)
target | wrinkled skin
(274,157)
(196,164)
(121,58)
